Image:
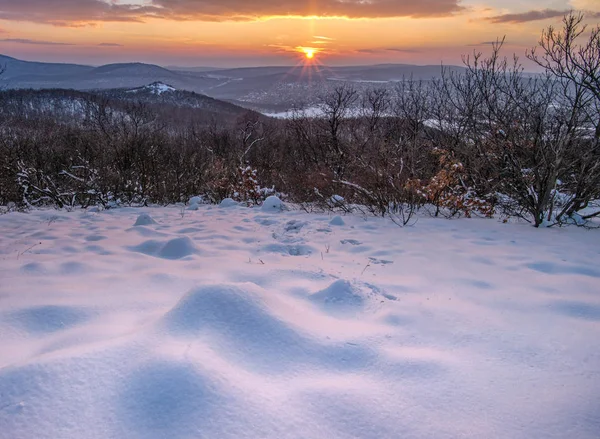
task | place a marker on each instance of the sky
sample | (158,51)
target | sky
(233,33)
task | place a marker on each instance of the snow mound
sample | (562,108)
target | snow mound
(345,297)
(245,330)
(226,307)
(144,220)
(341,293)
(176,248)
(228,202)
(272,204)
(241,326)
(195,202)
(337,221)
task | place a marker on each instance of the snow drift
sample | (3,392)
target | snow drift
(229,323)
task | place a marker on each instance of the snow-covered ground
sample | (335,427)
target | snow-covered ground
(313,112)
(305,112)
(243,323)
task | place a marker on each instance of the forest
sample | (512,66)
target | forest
(490,140)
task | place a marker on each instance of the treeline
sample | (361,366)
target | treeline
(490,140)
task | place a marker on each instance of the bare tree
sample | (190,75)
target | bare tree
(574,61)
(337,108)
(563,56)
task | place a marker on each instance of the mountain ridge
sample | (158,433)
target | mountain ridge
(265,88)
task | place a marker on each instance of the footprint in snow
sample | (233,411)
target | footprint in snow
(350,241)
(380,261)
(294,226)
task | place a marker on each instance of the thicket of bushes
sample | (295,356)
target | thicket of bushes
(491,139)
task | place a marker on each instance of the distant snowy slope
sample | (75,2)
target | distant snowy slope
(169,103)
(156,87)
(230,322)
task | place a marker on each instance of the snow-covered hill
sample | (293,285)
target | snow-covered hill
(156,87)
(230,322)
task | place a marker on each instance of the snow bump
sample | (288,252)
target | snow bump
(337,221)
(177,248)
(144,220)
(272,204)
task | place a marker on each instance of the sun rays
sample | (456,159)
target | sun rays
(309,53)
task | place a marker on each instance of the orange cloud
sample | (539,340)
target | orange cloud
(82,12)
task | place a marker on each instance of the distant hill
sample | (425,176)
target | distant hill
(192,69)
(15,68)
(159,93)
(25,74)
(131,69)
(176,107)
(266,89)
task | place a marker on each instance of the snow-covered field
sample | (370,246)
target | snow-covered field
(242,323)
(305,112)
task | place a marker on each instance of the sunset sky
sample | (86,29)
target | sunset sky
(269,32)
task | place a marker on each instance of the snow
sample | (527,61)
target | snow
(160,88)
(144,219)
(175,248)
(156,88)
(231,323)
(197,200)
(336,200)
(337,221)
(228,202)
(311,112)
(272,204)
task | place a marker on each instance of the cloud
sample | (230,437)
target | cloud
(586,5)
(110,45)
(318,39)
(78,12)
(34,42)
(388,49)
(400,49)
(524,17)
(281,48)
(251,9)
(485,43)
(73,12)
(538,15)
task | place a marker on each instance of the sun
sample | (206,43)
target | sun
(308,52)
